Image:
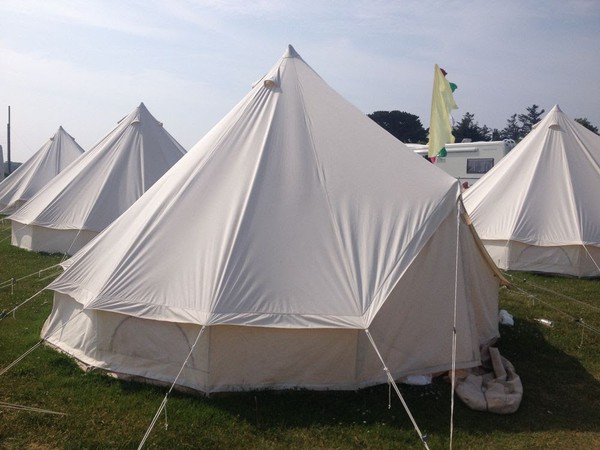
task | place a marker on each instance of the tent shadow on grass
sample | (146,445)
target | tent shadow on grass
(560,394)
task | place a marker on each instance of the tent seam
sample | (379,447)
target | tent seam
(242,215)
(334,224)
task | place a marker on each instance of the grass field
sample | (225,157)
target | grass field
(559,367)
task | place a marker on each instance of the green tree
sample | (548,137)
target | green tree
(529,119)
(496,136)
(586,123)
(468,128)
(512,130)
(402,125)
(488,133)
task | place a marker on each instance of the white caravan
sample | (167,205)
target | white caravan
(469,161)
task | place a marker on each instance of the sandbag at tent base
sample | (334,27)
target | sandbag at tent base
(499,391)
(49,240)
(574,260)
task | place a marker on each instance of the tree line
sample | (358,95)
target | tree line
(408,128)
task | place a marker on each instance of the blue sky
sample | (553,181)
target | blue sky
(86,64)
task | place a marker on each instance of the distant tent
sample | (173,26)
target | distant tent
(91,193)
(54,156)
(293,226)
(537,209)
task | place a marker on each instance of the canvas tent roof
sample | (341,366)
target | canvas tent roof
(106,180)
(540,194)
(295,212)
(30,177)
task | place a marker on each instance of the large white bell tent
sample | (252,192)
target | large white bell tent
(292,234)
(537,209)
(92,192)
(30,177)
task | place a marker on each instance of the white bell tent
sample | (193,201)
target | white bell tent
(295,231)
(30,177)
(537,209)
(91,193)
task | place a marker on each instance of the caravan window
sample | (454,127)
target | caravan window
(479,165)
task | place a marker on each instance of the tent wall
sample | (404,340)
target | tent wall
(413,331)
(566,259)
(417,318)
(227,358)
(49,240)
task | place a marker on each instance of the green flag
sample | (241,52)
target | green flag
(442,102)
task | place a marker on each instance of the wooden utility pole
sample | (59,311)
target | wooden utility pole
(8,142)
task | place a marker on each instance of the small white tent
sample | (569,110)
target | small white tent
(536,210)
(30,177)
(293,226)
(91,193)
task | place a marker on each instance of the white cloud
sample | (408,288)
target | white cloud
(89,63)
(123,16)
(88,103)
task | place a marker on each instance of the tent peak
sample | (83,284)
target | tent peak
(141,112)
(554,122)
(142,108)
(291,52)
(60,128)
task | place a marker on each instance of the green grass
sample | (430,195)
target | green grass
(559,367)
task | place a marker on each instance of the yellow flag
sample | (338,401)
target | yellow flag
(442,102)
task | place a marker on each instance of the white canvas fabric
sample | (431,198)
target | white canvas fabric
(290,228)
(30,177)
(535,211)
(91,193)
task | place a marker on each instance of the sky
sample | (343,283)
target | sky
(84,65)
